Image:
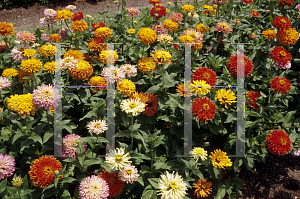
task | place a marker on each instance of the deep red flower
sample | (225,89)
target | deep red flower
(281,56)
(98,25)
(252,95)
(115,185)
(206,74)
(204,109)
(232,66)
(77,16)
(151,104)
(153,2)
(254,13)
(283,23)
(176,46)
(289,3)
(158,12)
(281,84)
(278,142)
(248,1)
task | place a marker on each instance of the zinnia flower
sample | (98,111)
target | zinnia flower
(113,74)
(133,106)
(248,1)
(186,39)
(97,45)
(77,16)
(254,13)
(146,64)
(223,27)
(10,72)
(69,151)
(84,70)
(93,187)
(162,57)
(103,33)
(281,56)
(6,29)
(76,54)
(200,87)
(98,81)
(7,166)
(203,188)
(204,109)
(29,52)
(252,95)
(106,55)
(64,15)
(188,8)
(26,37)
(55,38)
(170,25)
(206,74)
(4,83)
(199,152)
(225,96)
(278,142)
(131,31)
(68,63)
(147,35)
(165,38)
(201,28)
(18,181)
(98,25)
(171,186)
(44,96)
(289,3)
(31,65)
(47,50)
(79,26)
(49,67)
(288,37)
(97,126)
(159,29)
(220,159)
(281,84)
(115,185)
(283,23)
(218,2)
(183,91)
(129,69)
(151,104)
(176,17)
(126,87)
(128,174)
(42,169)
(117,159)
(71,7)
(270,34)
(50,12)
(153,2)
(133,11)
(158,11)
(232,66)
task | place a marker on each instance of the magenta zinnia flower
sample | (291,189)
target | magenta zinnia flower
(26,37)
(93,187)
(133,11)
(159,29)
(7,166)
(67,149)
(4,82)
(45,96)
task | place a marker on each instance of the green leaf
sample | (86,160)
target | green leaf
(149,193)
(47,136)
(199,174)
(237,163)
(221,192)
(140,180)
(216,172)
(49,191)
(288,118)
(3,185)
(36,138)
(249,124)
(155,88)
(215,129)
(67,179)
(92,162)
(17,136)
(294,136)
(153,182)
(12,190)
(235,183)
(125,133)
(253,114)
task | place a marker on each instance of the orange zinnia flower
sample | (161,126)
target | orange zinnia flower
(281,56)
(42,169)
(254,13)
(278,142)
(204,109)
(55,38)
(281,84)
(232,66)
(252,95)
(115,185)
(203,188)
(206,74)
(283,23)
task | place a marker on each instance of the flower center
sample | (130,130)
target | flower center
(47,170)
(98,124)
(206,75)
(281,82)
(282,53)
(173,185)
(26,35)
(205,107)
(203,186)
(148,101)
(283,20)
(118,158)
(128,171)
(219,159)
(111,181)
(159,26)
(131,10)
(192,34)
(95,187)
(282,141)
(132,105)
(224,25)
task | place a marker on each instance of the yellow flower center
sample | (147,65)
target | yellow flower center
(131,10)
(192,34)
(219,159)
(173,185)
(128,171)
(46,92)
(281,82)
(118,158)
(206,75)
(159,26)
(98,124)
(205,107)
(283,20)
(47,170)
(21,49)
(282,53)
(282,141)
(26,35)
(203,186)
(95,187)
(224,25)
(157,9)
(148,101)
(132,105)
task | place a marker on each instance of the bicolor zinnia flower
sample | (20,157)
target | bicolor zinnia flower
(128,174)
(133,11)
(93,187)
(97,45)
(281,84)
(159,29)
(42,169)
(176,17)
(45,96)
(47,50)
(199,152)
(206,74)
(115,185)
(97,126)
(232,65)
(162,57)
(204,109)
(225,96)
(133,106)
(4,83)
(202,188)
(171,186)
(6,29)
(7,166)
(223,27)
(98,25)
(117,159)
(113,74)
(220,159)
(248,1)
(278,142)
(50,12)
(18,181)
(147,35)
(165,38)
(67,149)
(26,37)
(218,2)
(252,95)
(146,64)
(281,56)
(68,63)
(270,34)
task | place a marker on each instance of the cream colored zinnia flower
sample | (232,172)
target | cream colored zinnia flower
(134,106)
(128,174)
(69,63)
(171,186)
(199,152)
(97,126)
(117,159)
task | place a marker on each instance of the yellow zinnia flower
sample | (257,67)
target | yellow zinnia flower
(170,25)
(270,34)
(18,181)
(31,65)
(127,87)
(147,35)
(200,87)
(220,159)
(225,96)
(10,72)
(162,57)
(131,31)
(199,152)
(22,104)
(146,64)
(188,8)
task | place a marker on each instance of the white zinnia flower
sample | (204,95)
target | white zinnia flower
(117,158)
(171,186)
(97,126)
(129,69)
(128,174)
(134,106)
(199,152)
(69,63)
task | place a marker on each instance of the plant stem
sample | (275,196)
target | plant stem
(3,100)
(131,130)
(47,118)
(193,169)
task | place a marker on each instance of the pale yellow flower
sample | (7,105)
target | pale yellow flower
(117,159)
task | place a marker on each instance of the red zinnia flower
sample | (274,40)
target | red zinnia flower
(77,16)
(153,2)
(159,11)
(281,56)
(252,95)
(232,66)
(204,109)
(282,23)
(98,25)
(254,13)
(115,185)
(176,46)
(206,74)
(281,84)
(279,142)
(151,104)
(42,169)
(248,1)
(289,3)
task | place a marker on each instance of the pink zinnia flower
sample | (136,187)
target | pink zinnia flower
(128,174)
(133,11)
(45,96)
(68,150)
(159,29)
(97,126)
(43,21)
(296,152)
(288,65)
(26,37)
(4,83)
(176,17)
(50,12)
(93,187)
(7,166)
(129,69)
(113,74)
(252,36)
(223,27)
(63,33)
(71,7)
(298,7)
(219,2)
(45,37)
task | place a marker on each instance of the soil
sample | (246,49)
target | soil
(278,177)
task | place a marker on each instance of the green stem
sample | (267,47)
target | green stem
(131,130)
(3,100)
(193,169)
(47,118)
